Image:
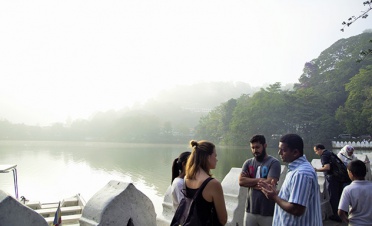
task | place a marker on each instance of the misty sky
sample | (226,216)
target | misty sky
(72,58)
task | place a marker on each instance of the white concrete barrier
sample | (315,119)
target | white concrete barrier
(323,192)
(118,203)
(14,213)
(235,197)
(358,144)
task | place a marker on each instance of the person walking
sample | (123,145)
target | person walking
(178,173)
(298,201)
(262,167)
(332,183)
(354,207)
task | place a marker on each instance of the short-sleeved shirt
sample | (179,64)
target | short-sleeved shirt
(300,187)
(356,199)
(257,203)
(325,158)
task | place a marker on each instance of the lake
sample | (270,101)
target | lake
(50,171)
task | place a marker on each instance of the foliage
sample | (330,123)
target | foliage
(363,53)
(310,109)
(356,114)
(364,15)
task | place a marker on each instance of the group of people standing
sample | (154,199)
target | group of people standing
(297,202)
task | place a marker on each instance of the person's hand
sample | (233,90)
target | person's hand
(269,189)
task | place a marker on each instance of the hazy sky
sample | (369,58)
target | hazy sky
(75,57)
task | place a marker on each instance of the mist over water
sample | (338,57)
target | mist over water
(51,171)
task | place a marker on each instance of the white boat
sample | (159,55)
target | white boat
(71,209)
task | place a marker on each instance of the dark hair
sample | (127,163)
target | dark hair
(199,158)
(357,168)
(319,146)
(258,138)
(293,142)
(178,163)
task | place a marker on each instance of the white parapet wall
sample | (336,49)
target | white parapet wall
(357,144)
(118,203)
(323,192)
(14,213)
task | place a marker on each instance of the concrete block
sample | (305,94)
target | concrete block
(235,197)
(15,213)
(119,203)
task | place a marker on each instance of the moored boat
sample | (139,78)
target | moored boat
(71,209)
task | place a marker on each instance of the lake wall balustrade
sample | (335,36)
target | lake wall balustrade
(358,144)
(121,203)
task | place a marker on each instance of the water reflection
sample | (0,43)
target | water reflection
(50,171)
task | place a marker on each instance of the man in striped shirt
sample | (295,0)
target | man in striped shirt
(298,202)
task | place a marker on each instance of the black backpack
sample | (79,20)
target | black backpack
(338,169)
(186,213)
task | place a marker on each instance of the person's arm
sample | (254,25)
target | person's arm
(343,216)
(219,201)
(325,168)
(246,181)
(270,192)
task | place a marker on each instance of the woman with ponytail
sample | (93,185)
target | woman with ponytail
(210,203)
(178,173)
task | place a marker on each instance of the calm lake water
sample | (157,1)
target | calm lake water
(51,171)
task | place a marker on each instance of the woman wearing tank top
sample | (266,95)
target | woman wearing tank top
(211,202)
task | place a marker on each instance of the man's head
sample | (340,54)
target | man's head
(357,170)
(258,147)
(319,149)
(291,147)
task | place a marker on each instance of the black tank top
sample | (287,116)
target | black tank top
(205,209)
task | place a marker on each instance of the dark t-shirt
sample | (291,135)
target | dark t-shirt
(325,158)
(257,203)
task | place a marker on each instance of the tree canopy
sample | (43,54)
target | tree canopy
(333,96)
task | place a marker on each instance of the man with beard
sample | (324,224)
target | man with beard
(262,167)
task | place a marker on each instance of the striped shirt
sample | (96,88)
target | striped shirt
(301,187)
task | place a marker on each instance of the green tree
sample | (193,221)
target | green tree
(356,114)
(260,114)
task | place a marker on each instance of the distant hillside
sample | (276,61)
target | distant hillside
(333,96)
(204,94)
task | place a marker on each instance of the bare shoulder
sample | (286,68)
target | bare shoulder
(214,184)
(212,189)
